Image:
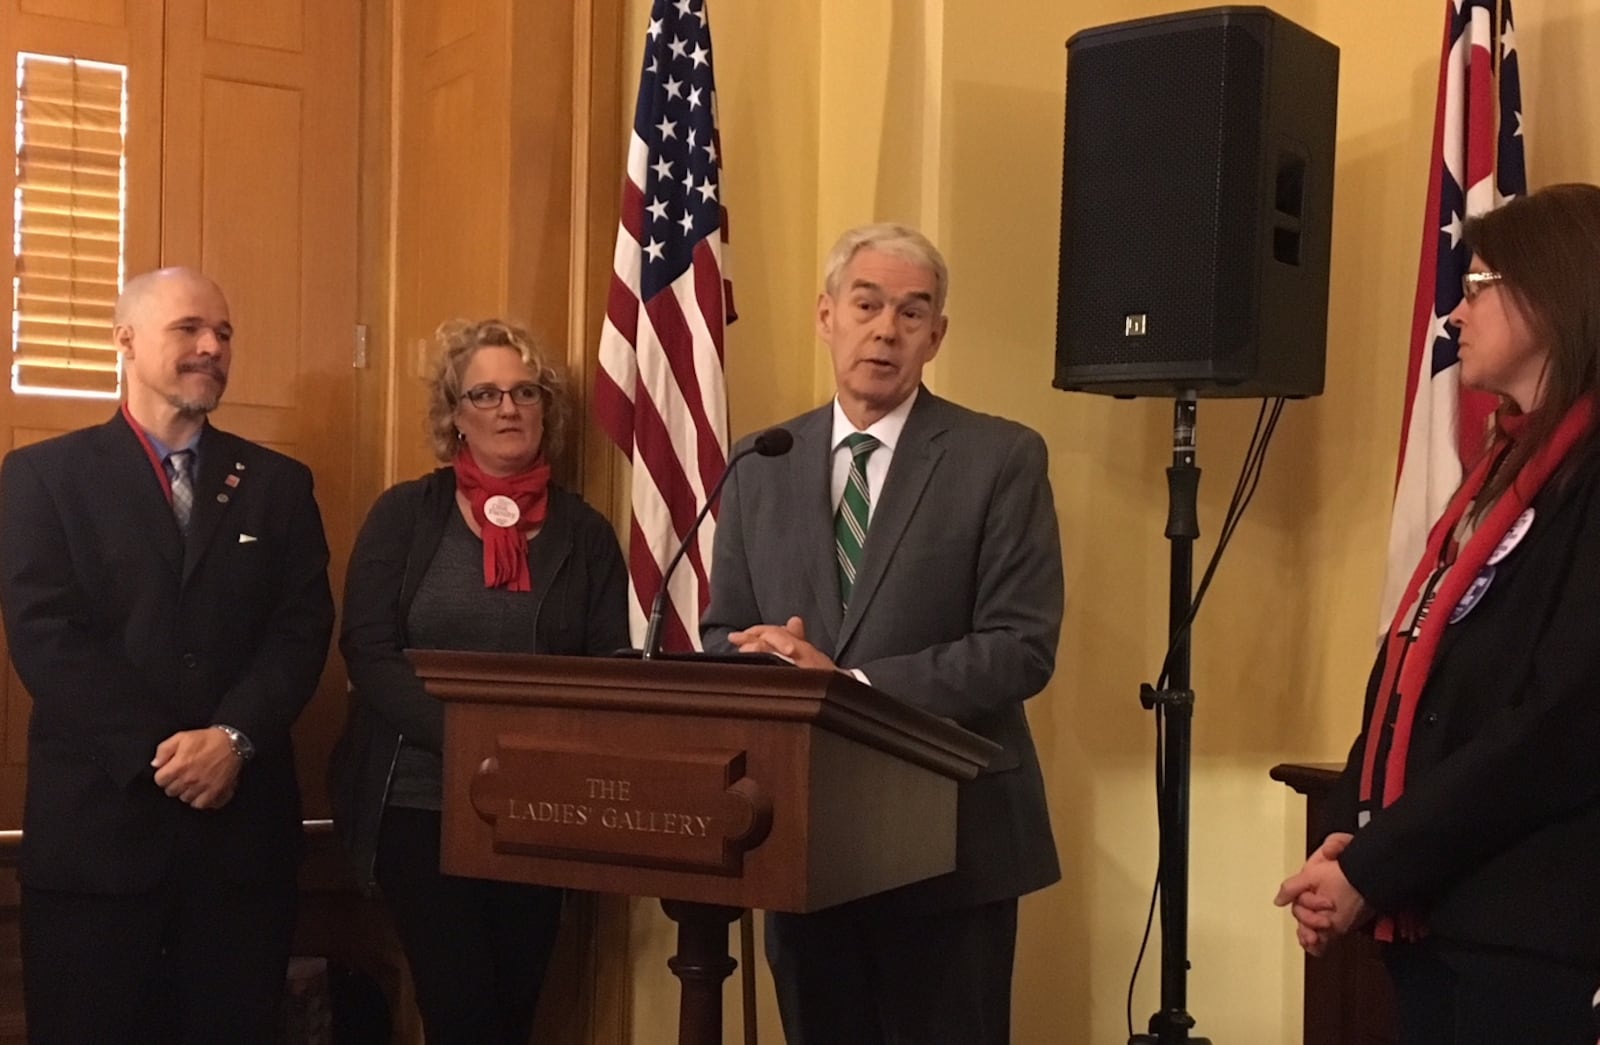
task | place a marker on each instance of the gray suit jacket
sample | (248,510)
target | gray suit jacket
(956,610)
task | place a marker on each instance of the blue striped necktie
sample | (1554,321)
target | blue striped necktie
(850,521)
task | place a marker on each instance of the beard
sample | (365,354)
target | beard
(202,403)
(195,406)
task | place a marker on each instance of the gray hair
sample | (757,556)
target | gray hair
(902,241)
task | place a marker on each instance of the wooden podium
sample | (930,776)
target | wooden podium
(714,786)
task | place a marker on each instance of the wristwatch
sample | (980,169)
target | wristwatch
(240,743)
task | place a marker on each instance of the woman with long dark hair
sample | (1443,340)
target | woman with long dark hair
(1468,816)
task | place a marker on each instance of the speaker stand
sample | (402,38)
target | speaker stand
(1175,706)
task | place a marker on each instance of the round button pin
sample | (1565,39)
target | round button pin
(502,510)
(1474,593)
(1513,537)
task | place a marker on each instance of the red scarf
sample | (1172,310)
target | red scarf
(1412,644)
(505,550)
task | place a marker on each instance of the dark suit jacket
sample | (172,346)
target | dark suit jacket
(124,633)
(956,610)
(1494,840)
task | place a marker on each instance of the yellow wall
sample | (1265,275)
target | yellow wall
(948,113)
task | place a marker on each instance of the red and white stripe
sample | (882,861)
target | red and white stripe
(661,396)
(1444,423)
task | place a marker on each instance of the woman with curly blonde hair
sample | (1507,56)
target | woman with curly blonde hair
(485,553)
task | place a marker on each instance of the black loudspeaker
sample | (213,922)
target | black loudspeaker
(1197,207)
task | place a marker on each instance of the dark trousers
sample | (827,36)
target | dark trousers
(195,962)
(478,949)
(1456,996)
(857,975)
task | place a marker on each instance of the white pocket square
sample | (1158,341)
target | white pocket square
(246,538)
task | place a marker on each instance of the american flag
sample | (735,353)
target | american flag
(1477,118)
(660,394)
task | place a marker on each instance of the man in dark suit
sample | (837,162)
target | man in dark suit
(926,561)
(165,593)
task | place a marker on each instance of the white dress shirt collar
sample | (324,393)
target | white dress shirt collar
(886,429)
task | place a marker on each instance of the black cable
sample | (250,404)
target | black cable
(1244,492)
(1155,886)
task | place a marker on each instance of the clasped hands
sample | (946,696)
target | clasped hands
(1324,903)
(197,767)
(787,640)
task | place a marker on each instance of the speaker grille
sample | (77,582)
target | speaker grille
(1162,134)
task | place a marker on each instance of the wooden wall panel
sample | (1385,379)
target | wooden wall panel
(92,12)
(276,26)
(436,25)
(251,148)
(457,221)
(599,152)
(539,199)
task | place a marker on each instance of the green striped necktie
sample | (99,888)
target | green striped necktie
(850,522)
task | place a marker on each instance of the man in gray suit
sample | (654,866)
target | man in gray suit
(925,560)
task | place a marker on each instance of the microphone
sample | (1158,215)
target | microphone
(774,442)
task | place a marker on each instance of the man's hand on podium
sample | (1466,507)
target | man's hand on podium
(787,640)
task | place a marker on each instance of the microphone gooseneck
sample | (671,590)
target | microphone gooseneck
(774,442)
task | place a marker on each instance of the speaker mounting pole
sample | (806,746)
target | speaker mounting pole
(1174,706)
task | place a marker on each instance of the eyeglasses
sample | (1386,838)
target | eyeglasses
(489,397)
(1473,282)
